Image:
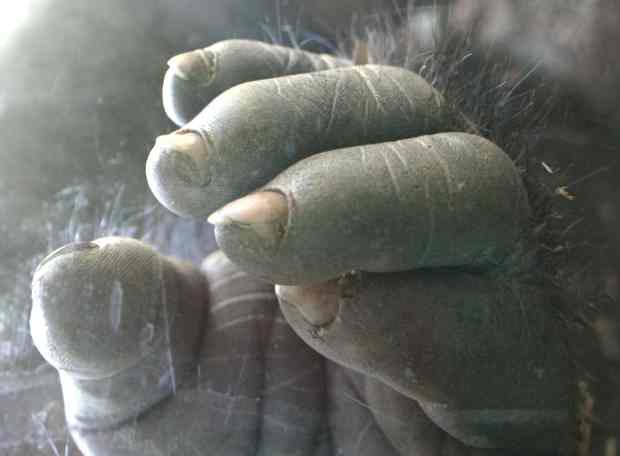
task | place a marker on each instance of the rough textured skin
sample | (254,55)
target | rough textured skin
(450,333)
(120,322)
(285,398)
(256,129)
(256,388)
(228,63)
(450,199)
(466,346)
(79,121)
(288,399)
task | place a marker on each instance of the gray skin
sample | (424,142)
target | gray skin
(403,380)
(450,199)
(454,342)
(148,309)
(251,132)
(428,361)
(195,78)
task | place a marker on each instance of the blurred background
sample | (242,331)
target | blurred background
(80,108)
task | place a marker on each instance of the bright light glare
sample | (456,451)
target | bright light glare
(13,13)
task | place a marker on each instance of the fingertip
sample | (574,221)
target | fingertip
(251,230)
(265,212)
(197,65)
(183,90)
(319,304)
(177,173)
(62,251)
(88,316)
(181,98)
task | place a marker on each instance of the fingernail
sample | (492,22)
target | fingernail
(198,65)
(177,171)
(264,212)
(179,158)
(65,250)
(318,304)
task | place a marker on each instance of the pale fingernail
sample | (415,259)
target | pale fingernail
(198,65)
(266,213)
(318,304)
(65,250)
(187,142)
(177,171)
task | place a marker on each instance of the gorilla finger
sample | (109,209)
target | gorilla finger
(482,354)
(218,411)
(120,322)
(265,384)
(448,199)
(354,429)
(255,130)
(197,77)
(407,427)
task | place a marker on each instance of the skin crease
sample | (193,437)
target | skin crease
(284,390)
(432,342)
(76,124)
(272,123)
(360,393)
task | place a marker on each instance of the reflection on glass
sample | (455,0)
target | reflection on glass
(13,13)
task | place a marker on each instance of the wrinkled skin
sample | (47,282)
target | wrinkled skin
(257,388)
(417,362)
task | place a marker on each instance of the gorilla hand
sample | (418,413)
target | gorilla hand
(120,323)
(127,328)
(441,323)
(438,223)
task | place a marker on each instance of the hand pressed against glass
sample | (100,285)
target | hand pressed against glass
(398,246)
